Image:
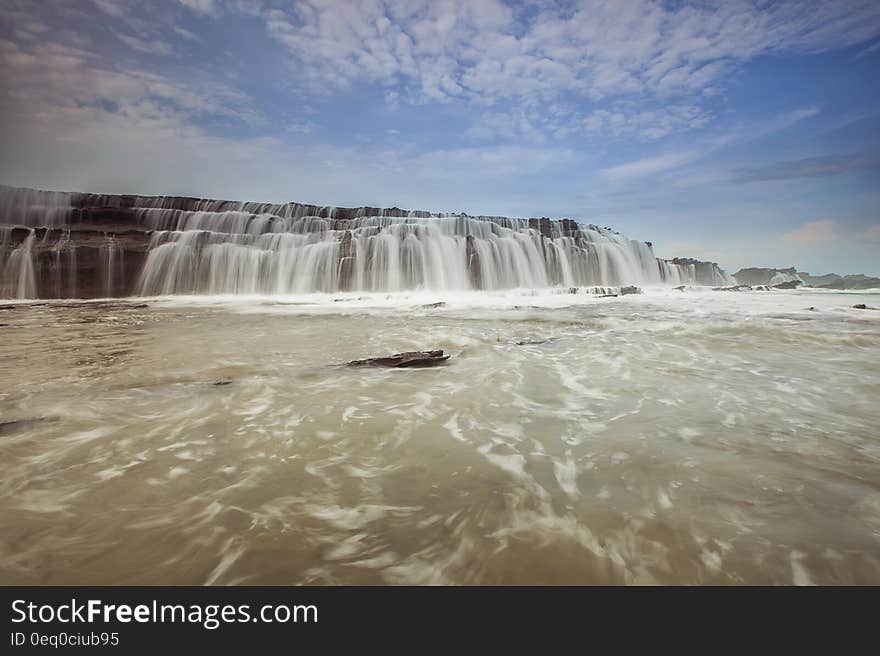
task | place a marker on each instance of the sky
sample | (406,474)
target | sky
(743,132)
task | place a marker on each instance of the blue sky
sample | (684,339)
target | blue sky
(742,132)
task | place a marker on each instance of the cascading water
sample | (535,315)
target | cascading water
(193,246)
(112,264)
(64,250)
(17,265)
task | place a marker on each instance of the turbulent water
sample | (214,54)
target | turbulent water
(669,437)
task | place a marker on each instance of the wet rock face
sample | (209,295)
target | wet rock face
(570,228)
(762,276)
(401,360)
(473,263)
(80,260)
(542,225)
(346,262)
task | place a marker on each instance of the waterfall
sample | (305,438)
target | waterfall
(236,253)
(199,246)
(63,248)
(19,279)
(112,265)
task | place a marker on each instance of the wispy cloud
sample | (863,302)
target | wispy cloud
(869,50)
(650,165)
(492,52)
(677,159)
(821,231)
(809,167)
(157,47)
(627,119)
(201,6)
(487,50)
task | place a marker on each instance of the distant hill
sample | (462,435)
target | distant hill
(834,281)
(768,276)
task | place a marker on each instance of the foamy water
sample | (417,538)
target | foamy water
(669,437)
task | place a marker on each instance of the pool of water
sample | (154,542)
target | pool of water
(667,437)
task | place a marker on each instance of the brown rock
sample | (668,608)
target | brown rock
(400,360)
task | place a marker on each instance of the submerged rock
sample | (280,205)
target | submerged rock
(860,306)
(408,359)
(680,288)
(788,284)
(630,290)
(431,306)
(607,296)
(8,427)
(732,288)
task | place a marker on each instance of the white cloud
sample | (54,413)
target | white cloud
(643,68)
(629,120)
(156,47)
(870,49)
(872,234)
(112,7)
(650,165)
(201,6)
(614,54)
(53,84)
(488,51)
(618,123)
(821,231)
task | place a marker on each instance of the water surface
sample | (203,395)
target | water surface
(695,437)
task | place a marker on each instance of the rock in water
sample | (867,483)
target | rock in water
(790,284)
(629,290)
(860,306)
(408,359)
(8,427)
(431,306)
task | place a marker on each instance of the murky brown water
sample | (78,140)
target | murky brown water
(689,438)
